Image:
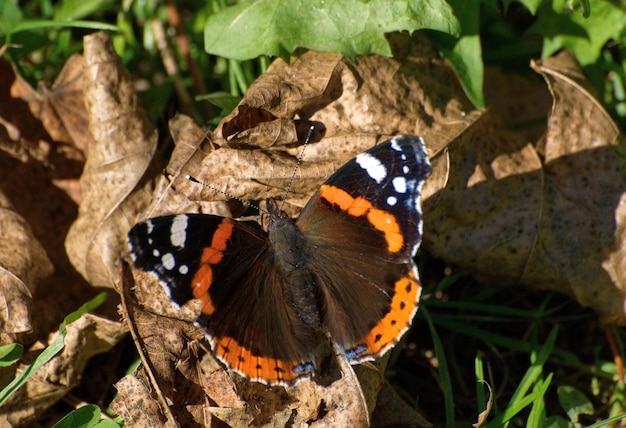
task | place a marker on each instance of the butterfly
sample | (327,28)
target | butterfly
(344,269)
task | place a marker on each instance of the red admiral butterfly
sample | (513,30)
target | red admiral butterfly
(344,268)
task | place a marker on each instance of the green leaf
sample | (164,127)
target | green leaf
(9,26)
(10,354)
(556,422)
(351,27)
(68,10)
(106,423)
(10,11)
(89,306)
(46,355)
(532,378)
(83,417)
(53,349)
(464,53)
(574,402)
(567,29)
(223,100)
(444,372)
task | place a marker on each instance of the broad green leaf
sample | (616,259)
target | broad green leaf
(464,53)
(574,402)
(83,417)
(533,5)
(10,354)
(351,27)
(566,29)
(107,423)
(223,100)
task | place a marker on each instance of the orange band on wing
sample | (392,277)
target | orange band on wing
(390,329)
(263,369)
(212,255)
(359,207)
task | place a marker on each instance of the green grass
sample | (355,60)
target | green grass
(536,350)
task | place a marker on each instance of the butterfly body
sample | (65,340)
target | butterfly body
(344,269)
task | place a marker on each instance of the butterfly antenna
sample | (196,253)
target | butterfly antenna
(293,176)
(215,189)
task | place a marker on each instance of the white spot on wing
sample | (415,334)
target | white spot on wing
(373,166)
(399,184)
(178,232)
(168,261)
(156,253)
(392,200)
(183,269)
(394,145)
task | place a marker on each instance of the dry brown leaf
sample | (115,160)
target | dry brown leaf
(23,264)
(545,216)
(61,108)
(173,192)
(482,416)
(472,216)
(580,248)
(352,106)
(124,144)
(21,134)
(518,100)
(135,404)
(86,337)
(393,411)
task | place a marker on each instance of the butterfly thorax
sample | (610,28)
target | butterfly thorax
(290,255)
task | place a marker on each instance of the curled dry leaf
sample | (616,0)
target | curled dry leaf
(173,192)
(86,337)
(124,144)
(482,416)
(61,107)
(352,106)
(549,217)
(23,263)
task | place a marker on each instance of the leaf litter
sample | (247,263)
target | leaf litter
(543,214)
